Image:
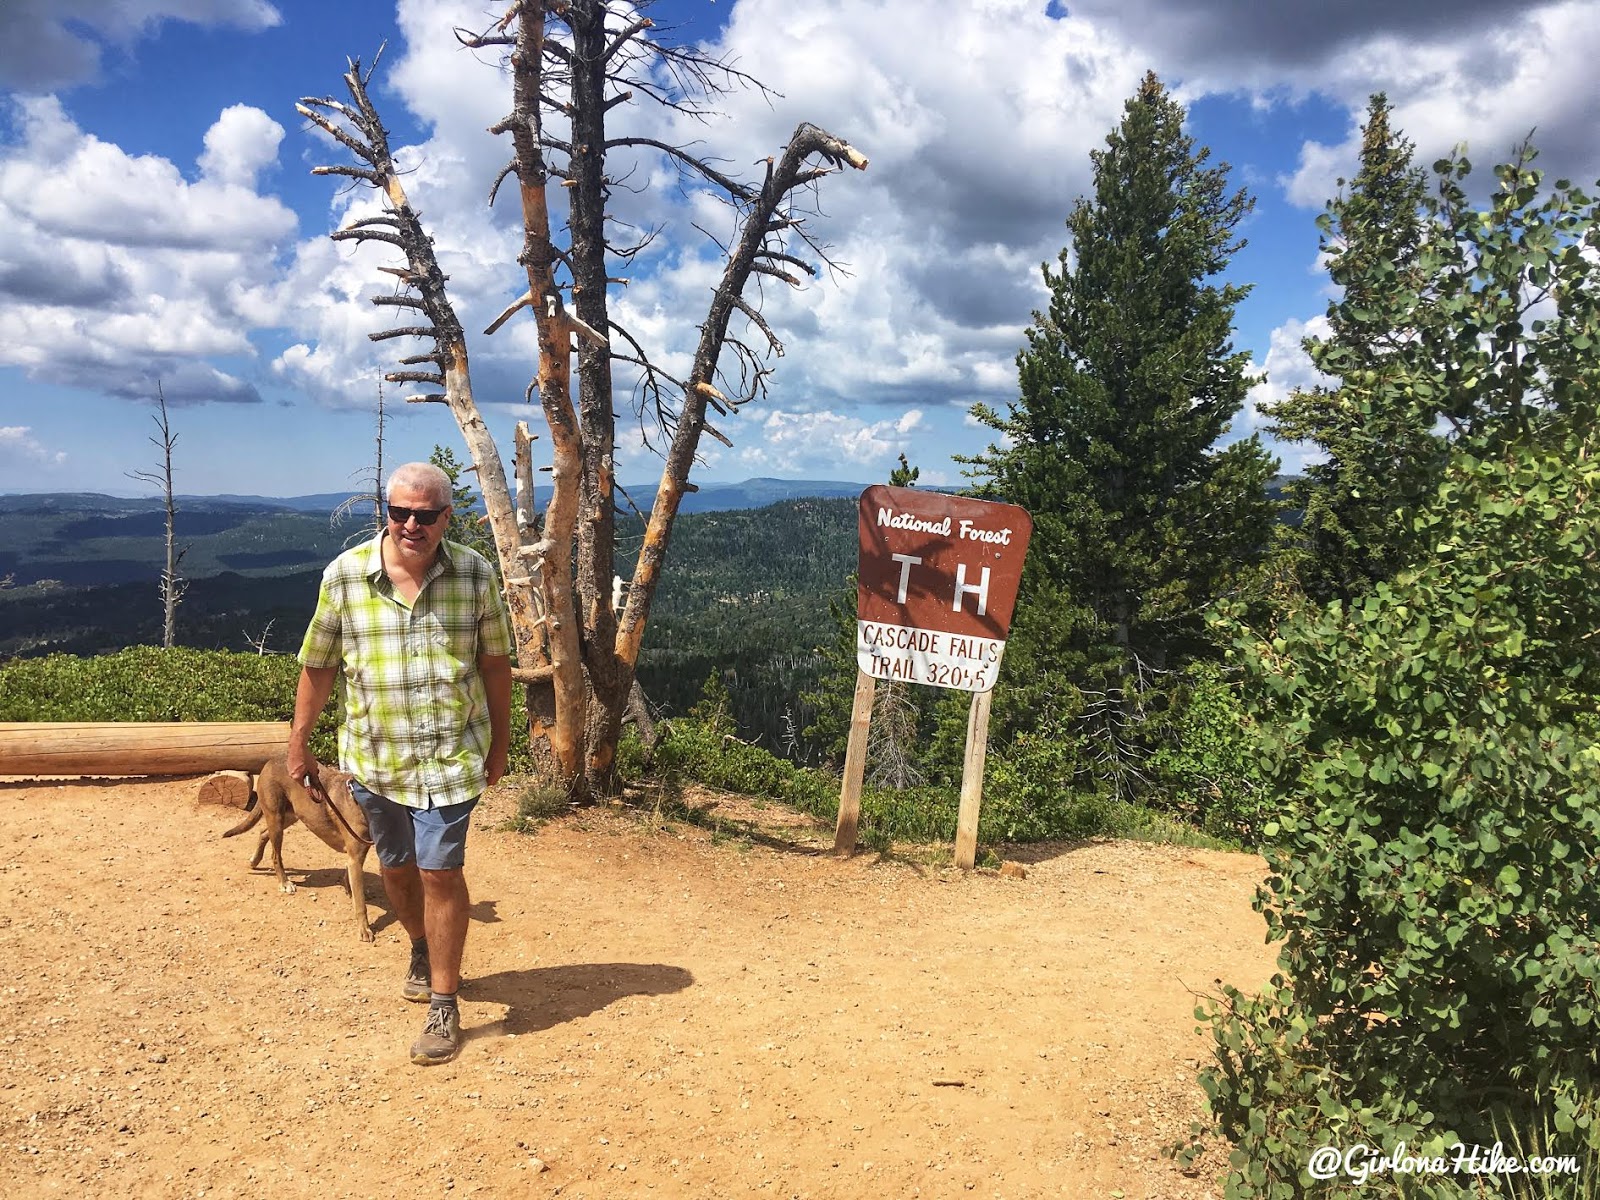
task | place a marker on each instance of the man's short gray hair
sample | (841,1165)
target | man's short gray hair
(424,475)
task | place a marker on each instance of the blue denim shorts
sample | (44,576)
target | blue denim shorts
(433,838)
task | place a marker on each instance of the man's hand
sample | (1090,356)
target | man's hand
(496,672)
(303,765)
(310,697)
(494,765)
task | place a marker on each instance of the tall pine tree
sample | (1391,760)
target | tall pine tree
(1127,384)
(1380,450)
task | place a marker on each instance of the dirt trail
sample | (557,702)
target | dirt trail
(651,1010)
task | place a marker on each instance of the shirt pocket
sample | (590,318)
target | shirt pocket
(448,643)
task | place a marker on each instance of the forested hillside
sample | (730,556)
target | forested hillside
(746,592)
(86,539)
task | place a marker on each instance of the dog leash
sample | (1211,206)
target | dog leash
(320,795)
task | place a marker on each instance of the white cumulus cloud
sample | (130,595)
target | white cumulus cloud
(17,442)
(50,44)
(1288,369)
(243,143)
(118,267)
(119,271)
(812,443)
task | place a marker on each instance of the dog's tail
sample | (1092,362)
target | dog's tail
(252,810)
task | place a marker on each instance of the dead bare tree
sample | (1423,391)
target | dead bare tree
(259,642)
(891,738)
(374,494)
(172,587)
(573,64)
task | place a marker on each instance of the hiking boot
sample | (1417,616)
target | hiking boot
(441,1036)
(418,986)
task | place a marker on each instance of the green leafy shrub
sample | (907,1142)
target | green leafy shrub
(1024,797)
(708,753)
(630,757)
(1435,889)
(146,683)
(1029,792)
(1206,770)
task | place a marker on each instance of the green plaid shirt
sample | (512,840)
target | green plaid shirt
(416,723)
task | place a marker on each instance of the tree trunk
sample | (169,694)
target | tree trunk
(761,220)
(610,678)
(172,587)
(575,657)
(554,550)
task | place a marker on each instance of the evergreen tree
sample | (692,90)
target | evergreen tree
(1380,448)
(465,510)
(1128,382)
(904,475)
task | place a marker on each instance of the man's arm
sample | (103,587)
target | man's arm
(310,698)
(496,672)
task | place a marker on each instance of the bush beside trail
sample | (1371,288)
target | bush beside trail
(147,683)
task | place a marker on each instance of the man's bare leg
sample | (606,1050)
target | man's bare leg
(403,886)
(446,910)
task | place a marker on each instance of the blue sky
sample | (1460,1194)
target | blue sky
(161,221)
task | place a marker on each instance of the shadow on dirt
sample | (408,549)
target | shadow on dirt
(728,817)
(1030,853)
(332,880)
(541,998)
(483,912)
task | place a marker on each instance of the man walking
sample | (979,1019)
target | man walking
(415,627)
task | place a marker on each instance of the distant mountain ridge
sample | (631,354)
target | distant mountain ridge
(758,493)
(746,588)
(83,539)
(711,497)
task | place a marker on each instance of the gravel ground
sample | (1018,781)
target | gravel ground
(714,1009)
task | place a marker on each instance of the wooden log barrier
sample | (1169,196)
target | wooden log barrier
(138,748)
(230,788)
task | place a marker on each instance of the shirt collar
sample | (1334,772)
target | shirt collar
(442,561)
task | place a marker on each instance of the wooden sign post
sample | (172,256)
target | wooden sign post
(855,764)
(972,780)
(938,584)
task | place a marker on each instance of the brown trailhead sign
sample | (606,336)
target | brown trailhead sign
(938,583)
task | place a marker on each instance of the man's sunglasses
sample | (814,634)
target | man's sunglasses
(425,516)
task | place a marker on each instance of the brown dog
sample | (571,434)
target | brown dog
(281,801)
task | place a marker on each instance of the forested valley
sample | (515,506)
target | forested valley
(748,597)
